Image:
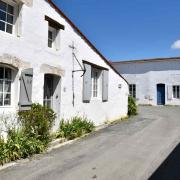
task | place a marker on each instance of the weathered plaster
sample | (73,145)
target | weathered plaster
(47,69)
(14,61)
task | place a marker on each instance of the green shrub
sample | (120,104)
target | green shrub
(19,145)
(132,107)
(38,122)
(75,127)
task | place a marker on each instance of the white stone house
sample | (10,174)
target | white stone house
(45,58)
(152,81)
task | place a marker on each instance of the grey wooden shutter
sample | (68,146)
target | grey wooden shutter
(170,93)
(87,84)
(105,85)
(25,98)
(19,20)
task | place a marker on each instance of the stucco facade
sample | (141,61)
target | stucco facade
(29,49)
(148,74)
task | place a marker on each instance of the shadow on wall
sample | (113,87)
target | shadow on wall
(170,168)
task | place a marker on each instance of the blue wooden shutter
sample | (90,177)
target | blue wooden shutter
(87,84)
(25,97)
(105,85)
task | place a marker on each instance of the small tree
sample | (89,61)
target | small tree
(132,107)
(38,122)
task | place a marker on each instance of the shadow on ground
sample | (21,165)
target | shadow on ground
(170,168)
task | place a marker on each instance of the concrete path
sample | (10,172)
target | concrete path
(131,150)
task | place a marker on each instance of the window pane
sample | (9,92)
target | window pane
(1,99)
(2,15)
(9,28)
(8,73)
(10,9)
(50,35)
(50,43)
(177,91)
(7,88)
(2,5)
(7,99)
(1,86)
(2,26)
(10,19)
(1,72)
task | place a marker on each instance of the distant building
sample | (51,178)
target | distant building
(152,81)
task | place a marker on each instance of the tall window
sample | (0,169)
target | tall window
(176,92)
(6,17)
(5,86)
(51,35)
(53,38)
(132,90)
(95,82)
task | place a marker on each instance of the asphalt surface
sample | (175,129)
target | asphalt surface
(131,150)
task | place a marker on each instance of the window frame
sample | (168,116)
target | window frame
(176,91)
(14,5)
(96,83)
(132,90)
(5,80)
(54,36)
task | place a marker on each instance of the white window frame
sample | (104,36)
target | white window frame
(176,91)
(14,5)
(132,90)
(4,81)
(96,83)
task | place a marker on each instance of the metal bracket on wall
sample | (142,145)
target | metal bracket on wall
(83,69)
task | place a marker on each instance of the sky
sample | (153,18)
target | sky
(128,29)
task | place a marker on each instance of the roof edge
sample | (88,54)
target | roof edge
(84,37)
(147,60)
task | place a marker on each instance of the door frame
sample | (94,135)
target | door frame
(163,93)
(56,93)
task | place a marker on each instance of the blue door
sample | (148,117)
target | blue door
(161,94)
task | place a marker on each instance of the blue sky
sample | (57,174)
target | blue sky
(125,30)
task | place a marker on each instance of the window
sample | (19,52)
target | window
(6,17)
(5,86)
(176,92)
(96,78)
(50,38)
(53,38)
(132,90)
(54,28)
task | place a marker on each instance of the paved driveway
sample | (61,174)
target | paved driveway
(131,150)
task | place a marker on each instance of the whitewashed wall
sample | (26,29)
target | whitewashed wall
(146,76)
(32,48)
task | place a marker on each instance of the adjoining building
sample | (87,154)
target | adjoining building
(152,81)
(46,59)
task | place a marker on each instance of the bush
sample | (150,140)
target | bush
(132,107)
(38,122)
(75,127)
(19,145)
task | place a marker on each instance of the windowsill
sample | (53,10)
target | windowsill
(96,99)
(52,50)
(5,34)
(6,107)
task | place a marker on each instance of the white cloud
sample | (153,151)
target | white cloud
(176,45)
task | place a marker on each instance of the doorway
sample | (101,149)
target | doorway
(52,92)
(160,94)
